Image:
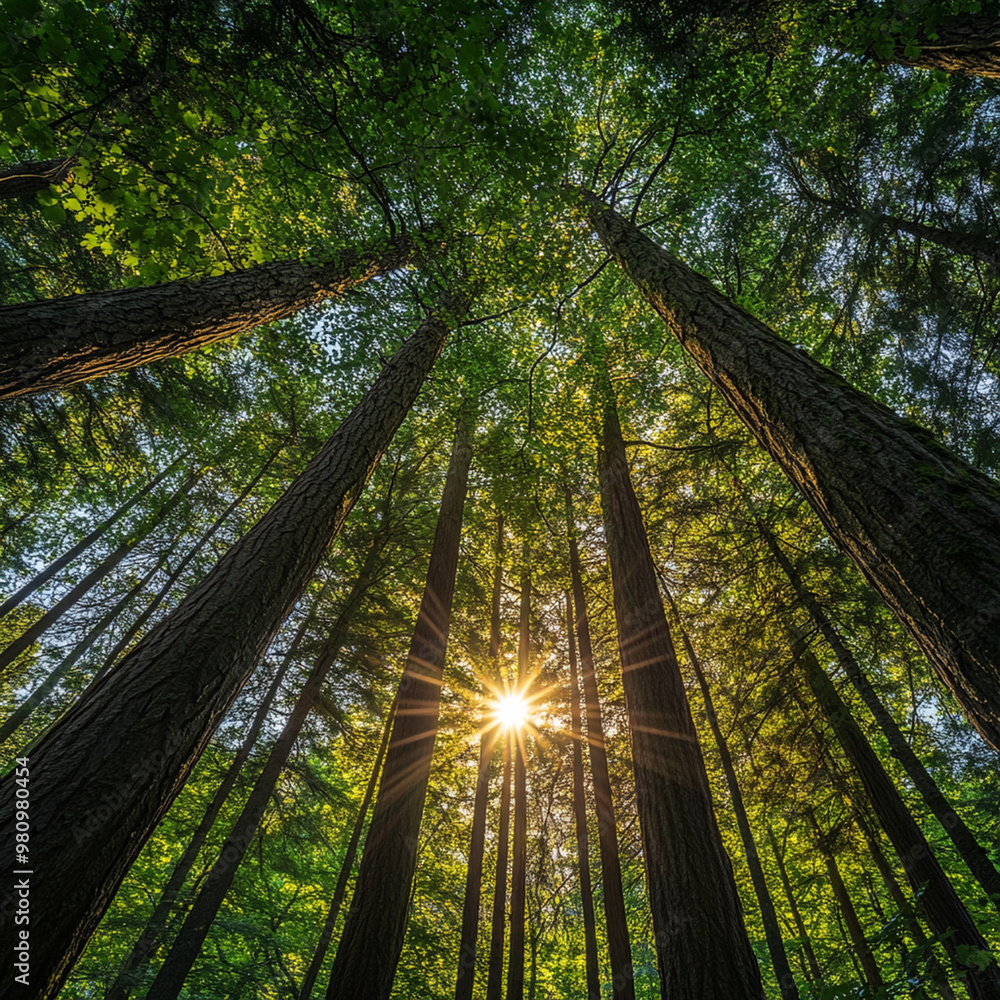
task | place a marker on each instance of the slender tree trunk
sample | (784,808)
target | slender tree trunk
(40,579)
(872,973)
(477,845)
(54,343)
(100,783)
(922,525)
(772,930)
(800,927)
(702,947)
(132,969)
(25,179)
(340,890)
(969,45)
(945,912)
(519,869)
(107,565)
(372,941)
(968,847)
(619,946)
(580,816)
(494,978)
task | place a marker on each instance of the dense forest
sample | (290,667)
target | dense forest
(498,499)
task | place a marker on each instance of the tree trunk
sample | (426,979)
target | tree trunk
(519,869)
(702,947)
(969,849)
(96,575)
(922,525)
(969,45)
(619,946)
(945,912)
(340,890)
(130,973)
(25,179)
(580,816)
(40,579)
(54,343)
(372,941)
(772,930)
(100,783)
(872,973)
(474,875)
(494,978)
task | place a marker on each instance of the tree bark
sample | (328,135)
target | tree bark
(702,948)
(24,641)
(772,930)
(25,179)
(494,978)
(372,941)
(340,890)
(945,912)
(619,945)
(51,344)
(968,847)
(580,816)
(100,782)
(969,45)
(922,525)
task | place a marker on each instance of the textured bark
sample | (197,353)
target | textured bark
(25,179)
(131,972)
(468,945)
(494,977)
(519,867)
(580,817)
(772,930)
(863,951)
(106,774)
(54,343)
(96,575)
(344,876)
(702,948)
(922,525)
(968,45)
(619,946)
(944,911)
(40,579)
(372,940)
(969,849)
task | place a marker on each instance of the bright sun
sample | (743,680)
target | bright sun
(511,711)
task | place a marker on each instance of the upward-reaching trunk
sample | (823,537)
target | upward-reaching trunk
(619,946)
(772,931)
(702,947)
(494,975)
(96,575)
(922,525)
(580,817)
(968,848)
(519,868)
(54,343)
(40,579)
(100,783)
(25,179)
(945,912)
(969,45)
(372,940)
(466,976)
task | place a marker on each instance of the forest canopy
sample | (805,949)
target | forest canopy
(500,500)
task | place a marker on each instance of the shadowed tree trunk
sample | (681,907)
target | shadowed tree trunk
(922,525)
(702,948)
(340,890)
(54,343)
(25,179)
(969,45)
(772,930)
(580,816)
(372,941)
(109,563)
(945,912)
(100,783)
(474,876)
(969,849)
(619,946)
(494,977)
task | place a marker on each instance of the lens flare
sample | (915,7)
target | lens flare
(511,711)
